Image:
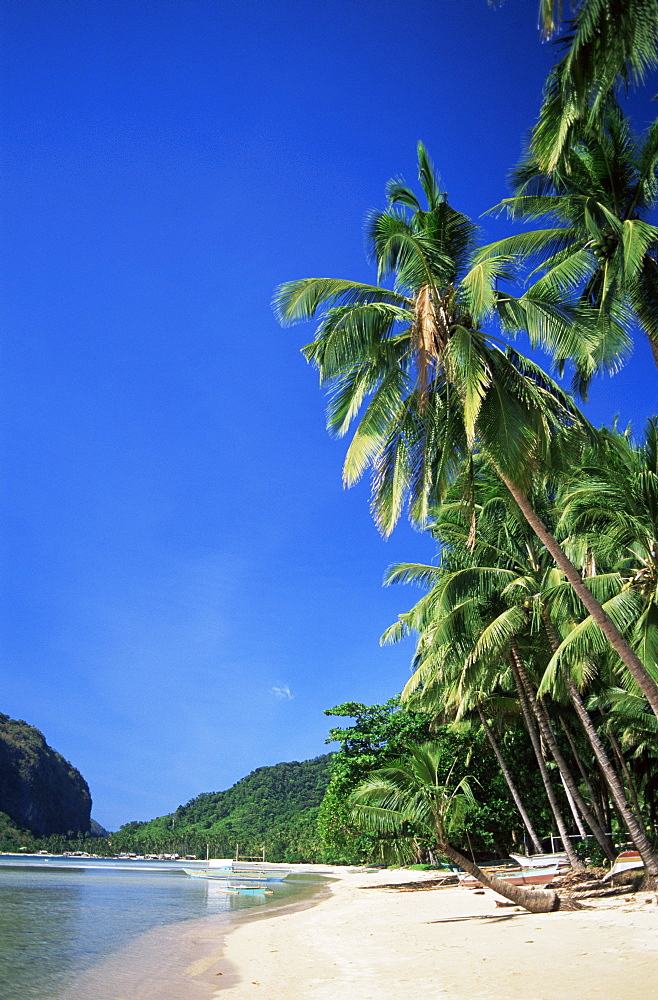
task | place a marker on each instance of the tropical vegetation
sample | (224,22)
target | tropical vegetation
(381,735)
(411,794)
(605,47)
(540,614)
(273,809)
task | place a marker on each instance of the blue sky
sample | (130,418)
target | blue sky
(186,586)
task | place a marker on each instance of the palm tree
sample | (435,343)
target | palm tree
(411,795)
(480,618)
(505,771)
(607,44)
(610,506)
(526,593)
(610,511)
(433,383)
(632,819)
(435,686)
(631,732)
(600,246)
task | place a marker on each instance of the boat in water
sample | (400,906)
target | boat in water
(221,885)
(222,871)
(270,871)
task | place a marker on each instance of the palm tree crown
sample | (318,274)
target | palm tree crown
(413,795)
(601,247)
(431,380)
(420,361)
(611,507)
(606,44)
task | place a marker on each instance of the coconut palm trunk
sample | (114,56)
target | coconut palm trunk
(628,818)
(570,785)
(534,900)
(630,784)
(577,818)
(575,863)
(635,830)
(623,649)
(518,801)
(596,805)
(411,792)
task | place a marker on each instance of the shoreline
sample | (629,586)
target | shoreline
(179,961)
(371,938)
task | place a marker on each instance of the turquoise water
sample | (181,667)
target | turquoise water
(58,925)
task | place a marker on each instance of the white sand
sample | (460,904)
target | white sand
(365,942)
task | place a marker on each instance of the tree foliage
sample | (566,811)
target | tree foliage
(383,733)
(273,808)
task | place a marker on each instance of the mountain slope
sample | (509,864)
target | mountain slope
(39,790)
(273,807)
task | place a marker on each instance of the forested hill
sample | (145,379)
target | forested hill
(39,790)
(273,807)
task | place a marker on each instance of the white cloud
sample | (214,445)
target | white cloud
(282,691)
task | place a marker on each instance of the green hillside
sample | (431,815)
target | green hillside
(273,807)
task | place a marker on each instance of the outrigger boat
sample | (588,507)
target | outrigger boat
(516,876)
(226,882)
(262,868)
(540,860)
(225,873)
(245,890)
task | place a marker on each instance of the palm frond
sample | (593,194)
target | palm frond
(419,573)
(298,301)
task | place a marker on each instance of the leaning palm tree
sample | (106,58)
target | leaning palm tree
(607,45)
(610,510)
(434,382)
(435,687)
(411,796)
(632,733)
(484,704)
(535,608)
(515,608)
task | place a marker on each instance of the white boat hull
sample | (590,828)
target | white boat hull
(249,870)
(540,860)
(523,876)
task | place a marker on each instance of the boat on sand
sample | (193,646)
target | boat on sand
(625,862)
(515,876)
(540,860)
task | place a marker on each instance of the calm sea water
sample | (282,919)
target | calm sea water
(115,930)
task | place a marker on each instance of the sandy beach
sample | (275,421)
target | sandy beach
(371,939)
